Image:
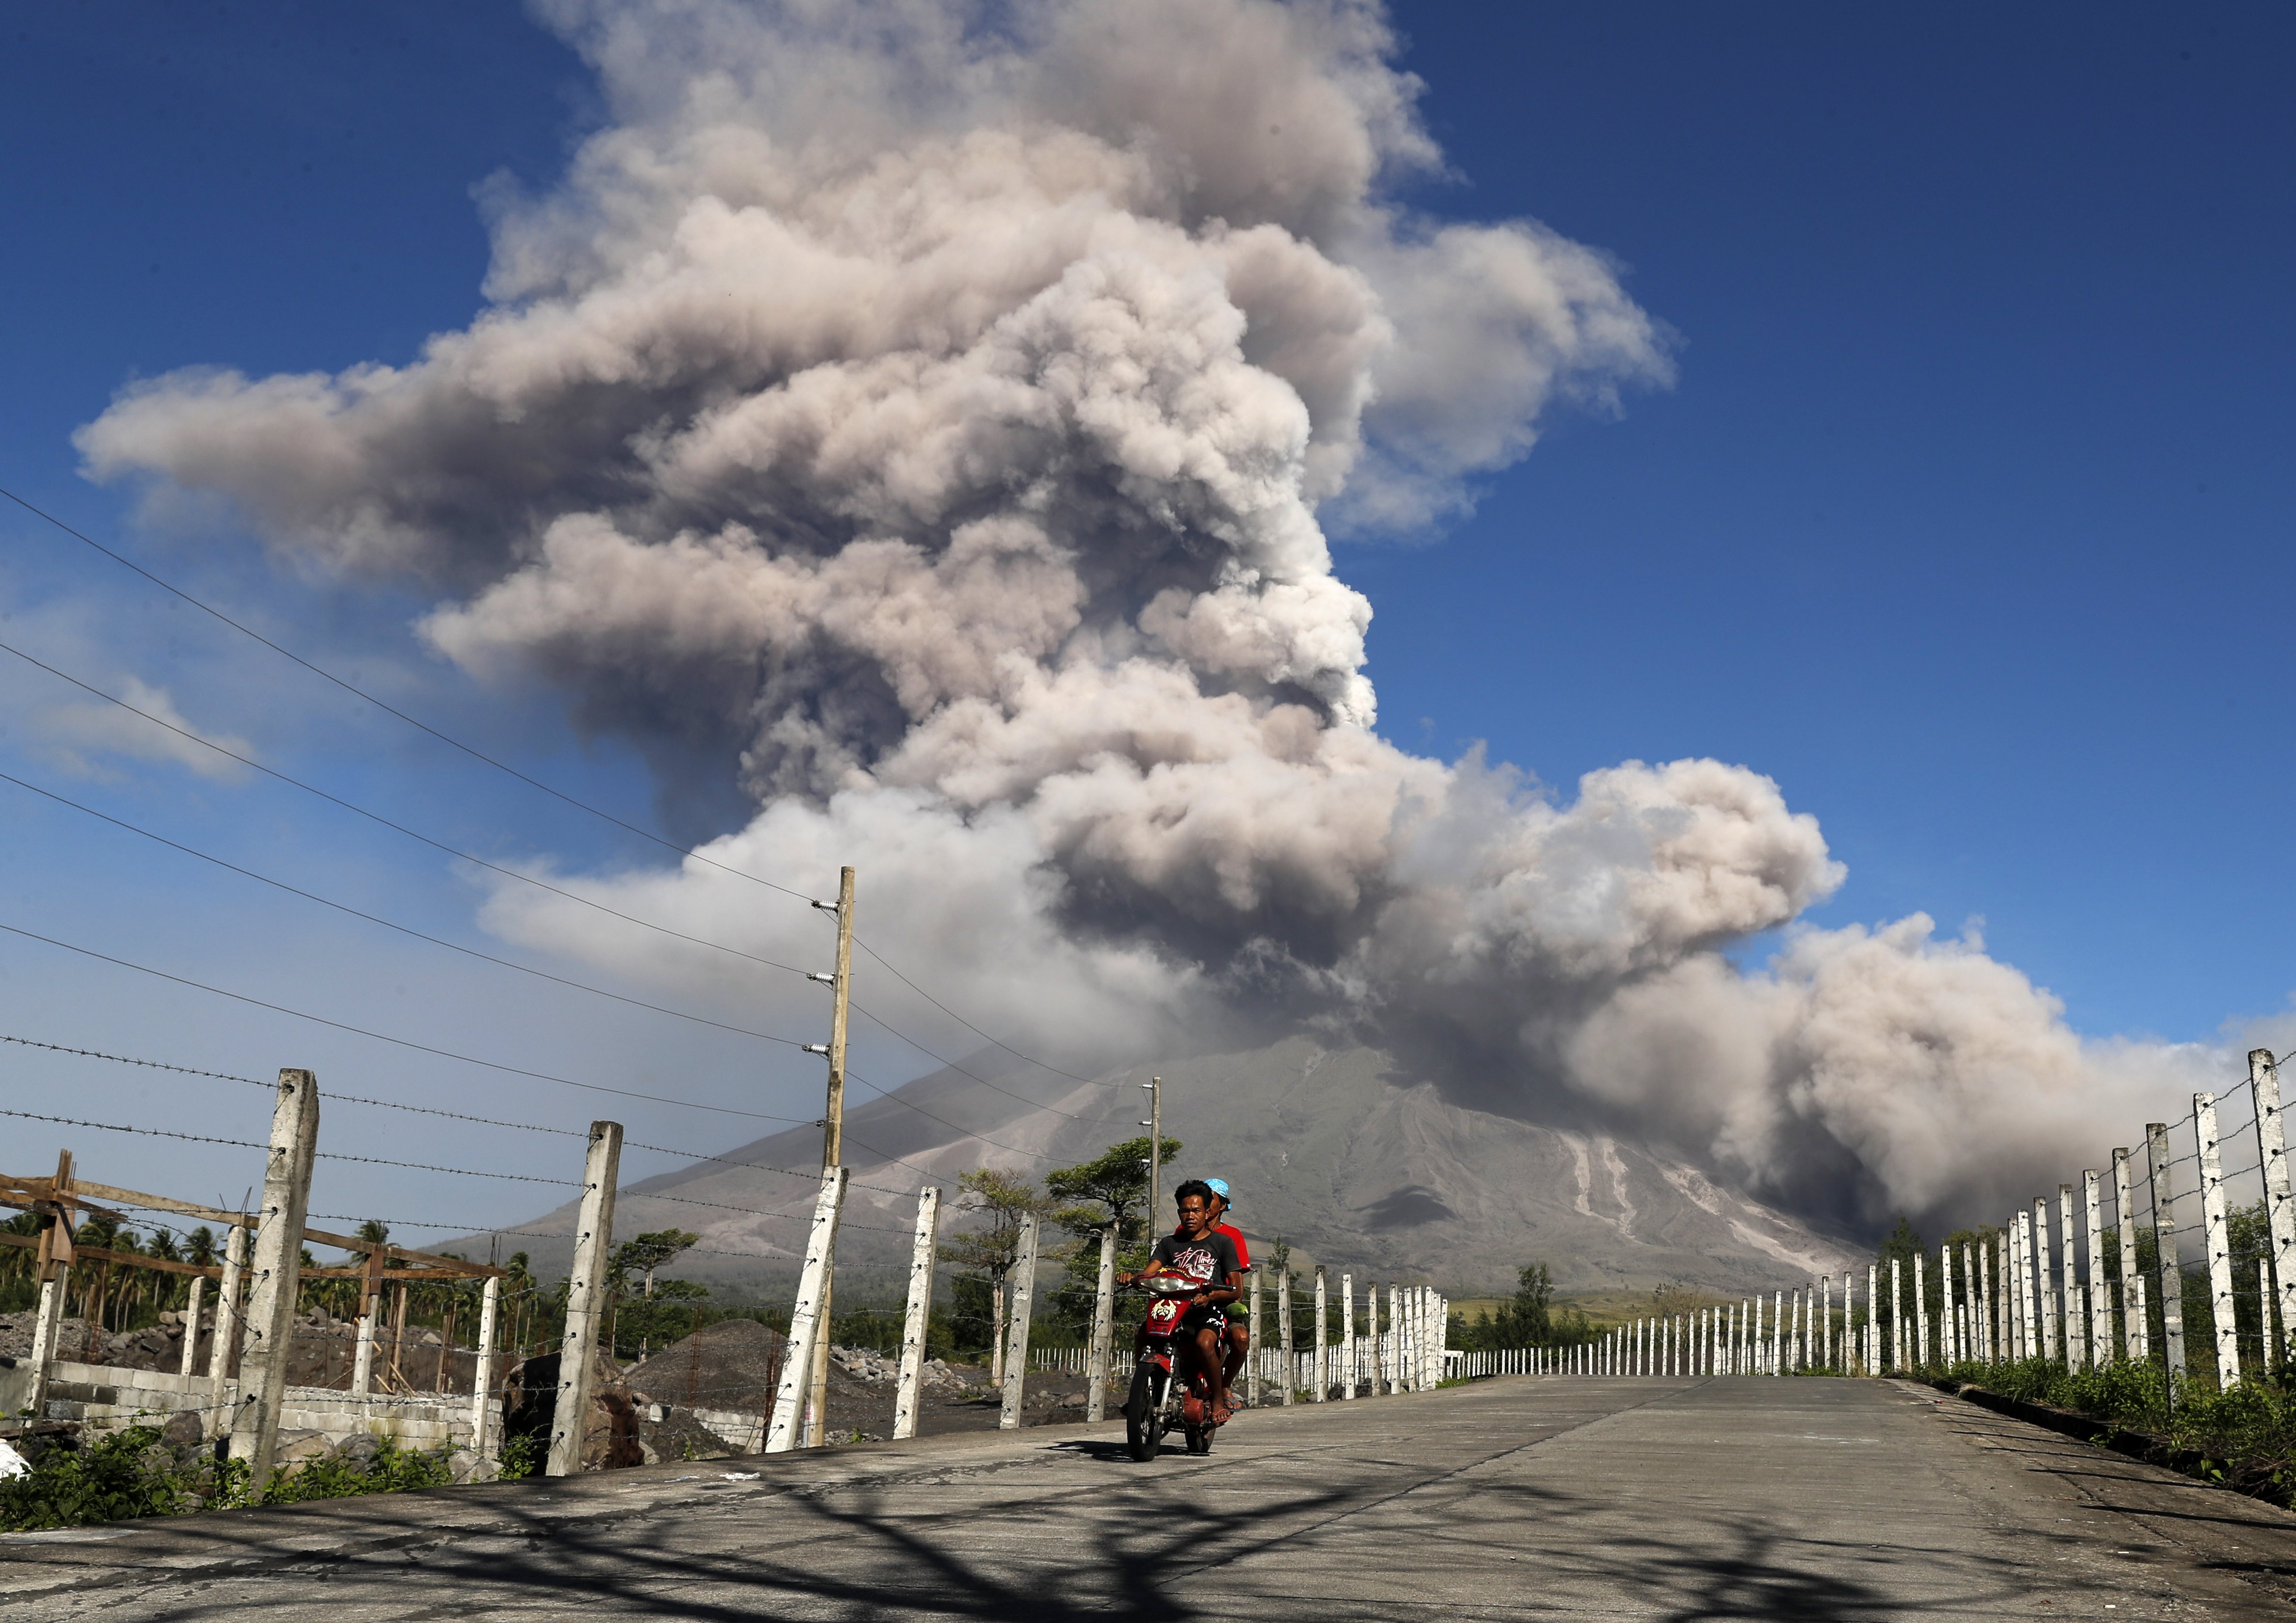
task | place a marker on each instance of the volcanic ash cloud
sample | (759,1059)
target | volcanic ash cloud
(936,428)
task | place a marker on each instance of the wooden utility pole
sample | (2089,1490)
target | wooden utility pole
(1155,1126)
(832,1138)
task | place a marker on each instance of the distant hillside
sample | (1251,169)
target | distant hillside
(1355,1165)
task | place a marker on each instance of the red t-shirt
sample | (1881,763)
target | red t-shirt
(1236,1236)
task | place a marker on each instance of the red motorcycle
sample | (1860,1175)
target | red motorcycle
(1158,1403)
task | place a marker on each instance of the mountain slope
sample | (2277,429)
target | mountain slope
(1358,1167)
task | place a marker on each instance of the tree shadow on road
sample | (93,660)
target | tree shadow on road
(1159,1546)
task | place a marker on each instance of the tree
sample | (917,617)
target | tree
(647,1252)
(1110,1188)
(987,1255)
(1526,1320)
(647,1320)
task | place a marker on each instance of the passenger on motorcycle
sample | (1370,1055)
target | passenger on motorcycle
(1239,1322)
(1201,1253)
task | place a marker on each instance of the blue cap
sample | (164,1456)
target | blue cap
(1217,1185)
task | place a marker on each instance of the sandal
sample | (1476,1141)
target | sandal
(1222,1415)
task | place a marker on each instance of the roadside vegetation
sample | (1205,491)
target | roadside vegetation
(73,1482)
(2242,1437)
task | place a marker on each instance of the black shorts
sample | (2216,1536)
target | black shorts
(1209,1317)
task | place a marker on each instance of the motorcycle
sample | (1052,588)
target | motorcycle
(1158,1403)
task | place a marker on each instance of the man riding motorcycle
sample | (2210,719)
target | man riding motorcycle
(1198,1251)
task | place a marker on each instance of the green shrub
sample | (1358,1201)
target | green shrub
(131,1473)
(117,1477)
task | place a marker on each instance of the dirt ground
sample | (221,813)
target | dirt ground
(736,1363)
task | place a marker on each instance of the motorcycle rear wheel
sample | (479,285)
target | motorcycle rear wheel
(1143,1432)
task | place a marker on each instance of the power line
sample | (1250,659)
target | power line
(388,708)
(967,1024)
(522,969)
(491,867)
(445,1054)
(961,1071)
(471,952)
(488,1121)
(196,1138)
(478,755)
(378,818)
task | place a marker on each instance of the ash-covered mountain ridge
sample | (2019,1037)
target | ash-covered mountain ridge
(1356,1164)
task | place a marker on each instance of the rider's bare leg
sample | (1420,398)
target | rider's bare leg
(1215,1367)
(1238,1346)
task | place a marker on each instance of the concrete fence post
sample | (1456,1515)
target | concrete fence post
(916,1321)
(2264,1308)
(2011,1348)
(54,1268)
(229,1317)
(2017,1283)
(1259,1349)
(1947,1347)
(806,1329)
(1348,1373)
(1377,1370)
(1981,1303)
(1973,1285)
(1389,1347)
(277,1271)
(2045,1275)
(2076,1319)
(2100,1293)
(363,1348)
(1016,1350)
(2021,1244)
(1871,1351)
(2218,1240)
(2280,1208)
(586,1299)
(1284,1330)
(2164,1240)
(2135,1326)
(485,1438)
(1920,1337)
(191,1322)
(1323,1359)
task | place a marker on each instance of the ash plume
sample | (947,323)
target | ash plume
(937,417)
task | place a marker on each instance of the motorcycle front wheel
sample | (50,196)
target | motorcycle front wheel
(1141,1432)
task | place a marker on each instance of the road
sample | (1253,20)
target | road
(1520,1498)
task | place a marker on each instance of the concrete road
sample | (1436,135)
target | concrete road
(1526,1496)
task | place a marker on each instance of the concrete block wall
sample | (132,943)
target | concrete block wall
(103,1397)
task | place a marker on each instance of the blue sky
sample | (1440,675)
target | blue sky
(1965,518)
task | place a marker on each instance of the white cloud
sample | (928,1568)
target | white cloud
(82,733)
